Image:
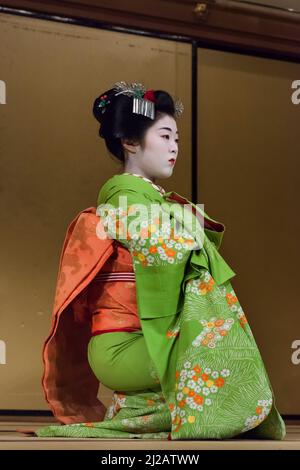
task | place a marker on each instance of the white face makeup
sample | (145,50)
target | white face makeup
(161,145)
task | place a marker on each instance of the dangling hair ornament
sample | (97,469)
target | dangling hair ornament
(178,108)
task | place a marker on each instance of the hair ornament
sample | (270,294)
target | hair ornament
(143,100)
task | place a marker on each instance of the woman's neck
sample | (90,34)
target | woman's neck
(138,172)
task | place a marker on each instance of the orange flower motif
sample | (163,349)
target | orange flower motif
(195,378)
(258,410)
(204,342)
(219,322)
(170,252)
(219,382)
(181,403)
(231,299)
(205,377)
(164,245)
(171,406)
(191,393)
(198,399)
(177,374)
(153,249)
(197,369)
(223,332)
(243,320)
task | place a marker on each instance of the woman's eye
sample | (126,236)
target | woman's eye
(177,140)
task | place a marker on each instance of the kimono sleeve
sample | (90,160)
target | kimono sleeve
(159,256)
(141,225)
(80,307)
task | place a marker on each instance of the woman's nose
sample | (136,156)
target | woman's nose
(174,147)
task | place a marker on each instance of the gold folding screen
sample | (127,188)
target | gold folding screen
(53,165)
(248,177)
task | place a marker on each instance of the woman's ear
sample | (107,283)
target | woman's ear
(129,145)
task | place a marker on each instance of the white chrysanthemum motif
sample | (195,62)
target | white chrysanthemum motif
(225,373)
(191,384)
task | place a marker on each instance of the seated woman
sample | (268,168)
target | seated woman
(144,302)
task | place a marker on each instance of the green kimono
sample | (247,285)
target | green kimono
(213,381)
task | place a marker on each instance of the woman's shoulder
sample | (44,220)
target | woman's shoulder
(119,184)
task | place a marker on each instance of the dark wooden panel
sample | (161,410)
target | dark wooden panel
(221,23)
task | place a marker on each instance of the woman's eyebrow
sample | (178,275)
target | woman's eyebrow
(167,128)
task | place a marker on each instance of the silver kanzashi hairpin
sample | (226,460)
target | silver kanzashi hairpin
(141,105)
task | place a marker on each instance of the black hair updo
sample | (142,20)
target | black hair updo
(119,122)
